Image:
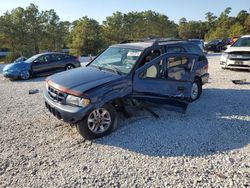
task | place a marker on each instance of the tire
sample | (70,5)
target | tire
(69,66)
(196,90)
(90,127)
(25,75)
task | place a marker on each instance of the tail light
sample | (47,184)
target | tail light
(78,58)
(206,67)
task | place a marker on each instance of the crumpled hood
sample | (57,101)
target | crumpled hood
(17,66)
(82,79)
(238,49)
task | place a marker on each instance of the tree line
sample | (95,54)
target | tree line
(27,31)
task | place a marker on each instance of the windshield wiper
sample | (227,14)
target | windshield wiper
(114,69)
(96,66)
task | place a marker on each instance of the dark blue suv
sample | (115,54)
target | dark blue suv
(163,71)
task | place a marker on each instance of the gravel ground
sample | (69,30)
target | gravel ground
(209,146)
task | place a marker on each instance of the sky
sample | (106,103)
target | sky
(70,10)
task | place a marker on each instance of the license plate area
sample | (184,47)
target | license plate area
(239,63)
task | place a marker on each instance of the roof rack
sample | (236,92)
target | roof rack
(158,41)
(131,40)
(154,40)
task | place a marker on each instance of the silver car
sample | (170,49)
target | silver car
(237,56)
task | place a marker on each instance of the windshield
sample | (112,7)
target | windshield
(242,42)
(19,59)
(31,59)
(118,60)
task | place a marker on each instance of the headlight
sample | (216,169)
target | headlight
(77,101)
(47,85)
(225,55)
(11,70)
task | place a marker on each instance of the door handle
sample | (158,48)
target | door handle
(181,88)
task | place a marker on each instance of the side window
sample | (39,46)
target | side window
(56,57)
(66,56)
(43,59)
(150,56)
(175,49)
(177,67)
(154,72)
(177,62)
(197,50)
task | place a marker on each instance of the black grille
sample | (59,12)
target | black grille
(239,56)
(56,95)
(238,65)
(53,111)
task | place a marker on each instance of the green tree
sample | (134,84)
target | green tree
(211,18)
(242,16)
(113,28)
(236,30)
(191,29)
(85,37)
(55,32)
(27,31)
(137,25)
(247,25)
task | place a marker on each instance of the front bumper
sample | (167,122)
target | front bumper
(13,75)
(67,113)
(204,78)
(235,64)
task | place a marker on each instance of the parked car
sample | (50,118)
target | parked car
(39,65)
(217,45)
(85,59)
(237,56)
(161,71)
(199,42)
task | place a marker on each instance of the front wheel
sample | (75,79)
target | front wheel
(25,75)
(196,90)
(68,67)
(98,123)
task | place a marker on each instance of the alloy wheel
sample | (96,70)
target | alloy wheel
(25,75)
(194,91)
(69,67)
(99,120)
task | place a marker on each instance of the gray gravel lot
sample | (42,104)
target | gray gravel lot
(209,146)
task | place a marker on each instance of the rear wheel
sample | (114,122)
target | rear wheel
(98,123)
(68,67)
(196,90)
(25,75)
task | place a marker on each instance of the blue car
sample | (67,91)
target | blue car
(40,65)
(165,72)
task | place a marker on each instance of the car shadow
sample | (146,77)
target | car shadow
(34,79)
(31,80)
(209,126)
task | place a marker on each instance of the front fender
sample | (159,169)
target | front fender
(110,92)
